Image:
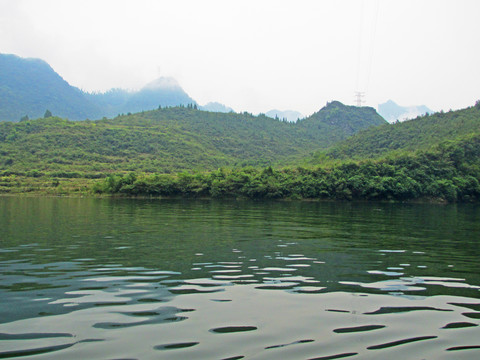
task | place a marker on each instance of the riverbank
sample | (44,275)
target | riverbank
(14,185)
(255,184)
(449,173)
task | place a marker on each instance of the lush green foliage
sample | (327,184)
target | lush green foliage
(450,172)
(418,134)
(182,151)
(162,141)
(345,119)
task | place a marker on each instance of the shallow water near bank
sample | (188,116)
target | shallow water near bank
(176,279)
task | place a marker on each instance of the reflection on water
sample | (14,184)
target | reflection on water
(117,279)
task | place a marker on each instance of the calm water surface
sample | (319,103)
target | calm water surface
(140,279)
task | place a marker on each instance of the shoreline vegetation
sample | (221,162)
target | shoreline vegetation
(431,158)
(449,173)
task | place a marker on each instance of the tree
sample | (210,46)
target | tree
(47,114)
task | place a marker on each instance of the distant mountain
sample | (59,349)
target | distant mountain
(216,107)
(289,115)
(393,112)
(30,87)
(164,91)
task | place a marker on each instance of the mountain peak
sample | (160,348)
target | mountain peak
(30,86)
(339,120)
(392,112)
(216,107)
(335,104)
(289,115)
(164,83)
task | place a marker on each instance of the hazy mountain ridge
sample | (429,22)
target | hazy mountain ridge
(392,112)
(289,115)
(30,87)
(216,107)
(164,91)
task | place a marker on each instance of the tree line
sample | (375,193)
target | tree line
(450,173)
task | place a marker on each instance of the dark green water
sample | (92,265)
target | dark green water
(139,279)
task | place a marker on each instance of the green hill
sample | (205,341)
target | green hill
(169,140)
(345,119)
(419,134)
(449,172)
(434,158)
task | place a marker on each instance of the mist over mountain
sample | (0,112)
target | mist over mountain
(392,112)
(28,87)
(216,107)
(289,115)
(164,91)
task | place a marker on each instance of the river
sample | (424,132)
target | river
(204,279)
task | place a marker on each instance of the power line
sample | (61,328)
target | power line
(372,42)
(360,37)
(366,47)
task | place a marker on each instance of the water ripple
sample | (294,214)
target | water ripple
(292,343)
(400,342)
(337,356)
(393,310)
(358,329)
(35,351)
(175,346)
(233,329)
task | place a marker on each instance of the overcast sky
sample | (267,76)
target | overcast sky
(256,55)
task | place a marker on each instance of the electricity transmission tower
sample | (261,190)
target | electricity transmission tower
(359,95)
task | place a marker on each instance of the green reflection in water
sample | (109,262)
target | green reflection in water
(145,263)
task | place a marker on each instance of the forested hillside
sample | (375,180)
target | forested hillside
(346,119)
(434,158)
(449,172)
(169,140)
(418,134)
(183,151)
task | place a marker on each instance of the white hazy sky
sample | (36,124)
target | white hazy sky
(256,55)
